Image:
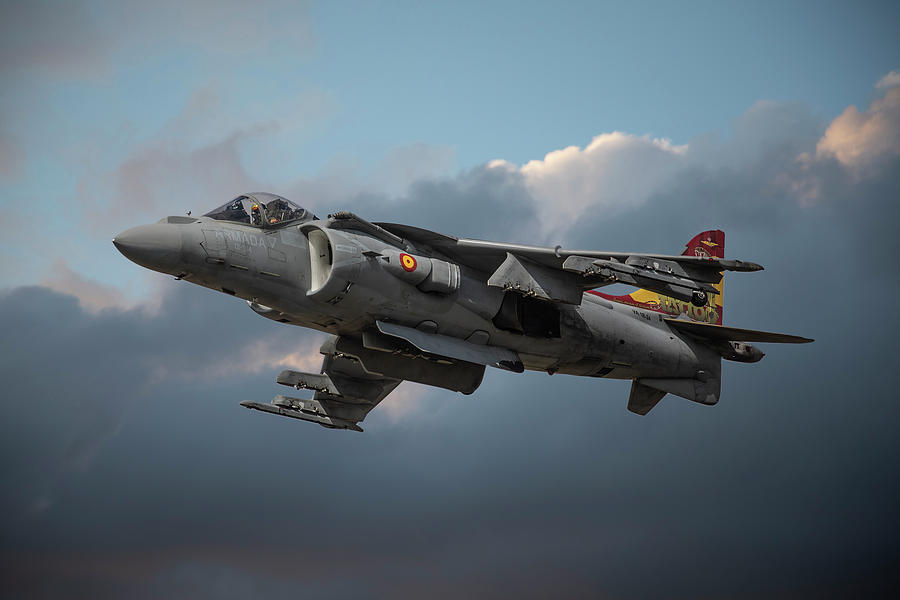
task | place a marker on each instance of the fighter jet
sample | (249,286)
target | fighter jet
(407,304)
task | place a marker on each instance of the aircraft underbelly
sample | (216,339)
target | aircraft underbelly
(636,345)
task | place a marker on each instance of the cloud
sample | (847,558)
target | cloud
(767,486)
(92,295)
(405,165)
(60,38)
(84,40)
(778,151)
(888,81)
(193,163)
(346,181)
(67,359)
(164,178)
(615,171)
(765,131)
(259,355)
(231,28)
(862,141)
(404,401)
(473,203)
(90,359)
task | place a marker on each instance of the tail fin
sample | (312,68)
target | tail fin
(709,243)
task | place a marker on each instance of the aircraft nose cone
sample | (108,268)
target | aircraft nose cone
(156,246)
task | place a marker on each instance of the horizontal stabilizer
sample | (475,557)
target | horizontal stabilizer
(733,334)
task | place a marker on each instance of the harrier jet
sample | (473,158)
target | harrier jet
(407,304)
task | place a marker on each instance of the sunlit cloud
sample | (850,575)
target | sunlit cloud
(862,140)
(247,356)
(616,171)
(403,401)
(890,80)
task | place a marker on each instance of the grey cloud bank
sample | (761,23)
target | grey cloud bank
(118,486)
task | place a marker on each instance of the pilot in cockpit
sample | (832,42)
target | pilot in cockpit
(278,210)
(249,209)
(236,212)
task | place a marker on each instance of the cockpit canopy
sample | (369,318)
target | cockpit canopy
(261,210)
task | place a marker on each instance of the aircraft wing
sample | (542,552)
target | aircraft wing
(344,392)
(561,275)
(359,372)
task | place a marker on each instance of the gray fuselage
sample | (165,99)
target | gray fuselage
(341,281)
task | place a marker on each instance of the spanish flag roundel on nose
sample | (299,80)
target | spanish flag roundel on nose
(408,262)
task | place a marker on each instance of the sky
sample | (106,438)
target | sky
(130,470)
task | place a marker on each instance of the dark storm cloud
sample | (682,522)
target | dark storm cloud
(471,204)
(71,377)
(126,476)
(195,495)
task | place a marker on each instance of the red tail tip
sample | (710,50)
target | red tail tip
(709,244)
